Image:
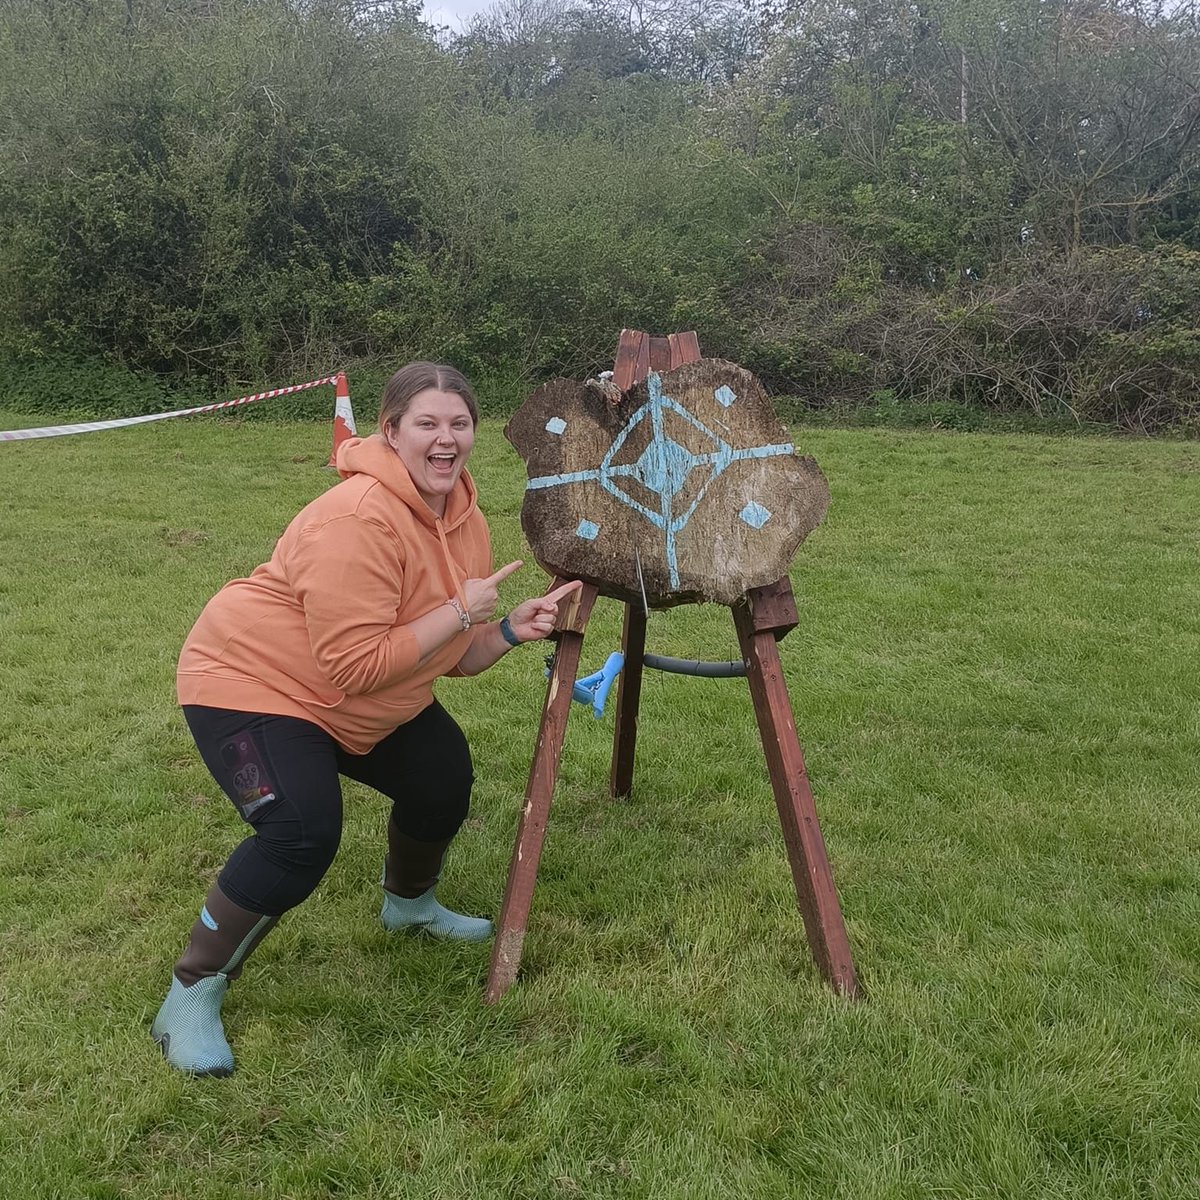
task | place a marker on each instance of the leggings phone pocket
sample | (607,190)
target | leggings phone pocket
(248,782)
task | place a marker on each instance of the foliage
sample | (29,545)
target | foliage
(229,185)
(239,192)
(84,389)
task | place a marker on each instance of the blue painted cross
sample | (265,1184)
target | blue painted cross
(663,469)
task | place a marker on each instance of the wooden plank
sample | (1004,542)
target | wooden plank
(685,348)
(689,346)
(629,695)
(811,873)
(575,609)
(660,354)
(773,608)
(531,831)
(643,361)
(625,365)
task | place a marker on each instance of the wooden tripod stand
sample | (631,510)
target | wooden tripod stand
(762,616)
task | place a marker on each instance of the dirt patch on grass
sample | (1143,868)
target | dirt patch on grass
(184,537)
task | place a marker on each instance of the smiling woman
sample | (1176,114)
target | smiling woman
(428,416)
(321,664)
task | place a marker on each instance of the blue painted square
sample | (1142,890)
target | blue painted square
(587,530)
(555,425)
(725,395)
(755,515)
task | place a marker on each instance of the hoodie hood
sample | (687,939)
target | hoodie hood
(374,457)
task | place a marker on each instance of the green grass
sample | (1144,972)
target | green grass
(995,682)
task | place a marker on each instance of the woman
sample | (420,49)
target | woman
(322,664)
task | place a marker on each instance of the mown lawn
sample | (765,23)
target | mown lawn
(995,682)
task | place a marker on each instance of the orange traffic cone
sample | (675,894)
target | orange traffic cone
(343,417)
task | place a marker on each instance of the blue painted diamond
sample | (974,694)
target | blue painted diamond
(664,466)
(755,515)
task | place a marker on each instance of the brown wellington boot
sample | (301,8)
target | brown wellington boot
(410,872)
(188,1026)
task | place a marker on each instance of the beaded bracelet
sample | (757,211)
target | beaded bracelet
(464,617)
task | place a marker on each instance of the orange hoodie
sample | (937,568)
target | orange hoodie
(320,631)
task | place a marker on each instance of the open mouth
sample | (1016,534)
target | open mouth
(442,463)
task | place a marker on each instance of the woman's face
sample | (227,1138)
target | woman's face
(433,439)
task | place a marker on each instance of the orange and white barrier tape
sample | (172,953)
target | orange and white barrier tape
(16,435)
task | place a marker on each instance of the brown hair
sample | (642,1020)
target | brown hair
(417,377)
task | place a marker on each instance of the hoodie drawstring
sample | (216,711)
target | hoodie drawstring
(453,566)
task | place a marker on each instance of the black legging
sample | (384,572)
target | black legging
(282,775)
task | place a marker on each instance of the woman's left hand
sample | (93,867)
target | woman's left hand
(535,618)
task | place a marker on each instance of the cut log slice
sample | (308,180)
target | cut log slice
(688,488)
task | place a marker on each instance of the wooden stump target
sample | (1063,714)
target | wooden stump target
(670,483)
(687,488)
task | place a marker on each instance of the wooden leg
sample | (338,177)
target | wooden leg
(531,831)
(811,873)
(629,695)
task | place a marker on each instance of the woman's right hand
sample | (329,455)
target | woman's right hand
(483,595)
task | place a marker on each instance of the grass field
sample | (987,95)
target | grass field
(995,682)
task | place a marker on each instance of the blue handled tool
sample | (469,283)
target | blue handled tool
(593,689)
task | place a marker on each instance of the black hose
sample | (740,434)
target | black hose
(687,666)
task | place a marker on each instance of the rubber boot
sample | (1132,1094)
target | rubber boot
(410,872)
(188,1026)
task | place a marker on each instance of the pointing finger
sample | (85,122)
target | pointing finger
(567,588)
(501,575)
